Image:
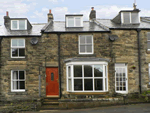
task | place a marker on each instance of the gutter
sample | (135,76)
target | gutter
(139,57)
(59,64)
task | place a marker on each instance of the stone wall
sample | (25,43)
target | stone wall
(123,50)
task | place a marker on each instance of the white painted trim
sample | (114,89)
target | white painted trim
(130,18)
(83,78)
(122,17)
(123,92)
(19,90)
(18,25)
(17,47)
(85,44)
(149,72)
(81,20)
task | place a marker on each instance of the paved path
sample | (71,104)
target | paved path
(136,108)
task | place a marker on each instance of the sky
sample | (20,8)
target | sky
(36,10)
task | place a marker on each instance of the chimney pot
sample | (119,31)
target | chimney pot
(7,13)
(50,11)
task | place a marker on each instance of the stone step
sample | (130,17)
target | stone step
(50,100)
(49,107)
(50,103)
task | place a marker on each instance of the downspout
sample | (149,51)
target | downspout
(139,57)
(59,64)
(0,68)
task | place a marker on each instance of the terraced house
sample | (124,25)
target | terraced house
(75,58)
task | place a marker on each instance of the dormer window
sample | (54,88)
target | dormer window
(18,24)
(74,21)
(130,18)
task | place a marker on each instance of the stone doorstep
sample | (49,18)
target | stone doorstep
(87,100)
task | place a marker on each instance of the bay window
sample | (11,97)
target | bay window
(87,77)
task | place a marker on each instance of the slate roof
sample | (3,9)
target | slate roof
(112,25)
(35,31)
(59,26)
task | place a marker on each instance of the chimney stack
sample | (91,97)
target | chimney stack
(7,19)
(50,16)
(92,14)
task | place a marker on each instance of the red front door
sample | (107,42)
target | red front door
(52,82)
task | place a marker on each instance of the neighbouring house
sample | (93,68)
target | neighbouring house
(74,58)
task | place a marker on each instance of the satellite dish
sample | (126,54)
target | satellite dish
(113,37)
(34,41)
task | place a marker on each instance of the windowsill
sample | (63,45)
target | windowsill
(86,55)
(18,59)
(80,93)
(18,92)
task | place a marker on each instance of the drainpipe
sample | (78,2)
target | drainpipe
(0,67)
(59,64)
(39,81)
(139,58)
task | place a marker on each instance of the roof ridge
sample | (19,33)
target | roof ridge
(45,27)
(101,25)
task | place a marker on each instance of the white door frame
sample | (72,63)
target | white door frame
(122,65)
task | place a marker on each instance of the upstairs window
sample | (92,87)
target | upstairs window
(130,18)
(148,41)
(86,44)
(74,22)
(18,25)
(17,48)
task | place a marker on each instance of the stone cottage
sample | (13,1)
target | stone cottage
(74,58)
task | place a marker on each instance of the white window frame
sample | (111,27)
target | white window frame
(123,65)
(85,44)
(105,75)
(19,90)
(149,72)
(18,25)
(148,41)
(17,47)
(74,17)
(130,13)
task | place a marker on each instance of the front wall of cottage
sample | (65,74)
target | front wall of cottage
(123,50)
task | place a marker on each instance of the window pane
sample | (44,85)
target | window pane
(69,73)
(148,44)
(89,39)
(82,39)
(77,70)
(14,42)
(52,76)
(14,52)
(126,17)
(89,48)
(22,24)
(82,48)
(70,22)
(15,84)
(98,70)
(21,43)
(69,85)
(148,36)
(21,75)
(135,17)
(21,52)
(88,84)
(78,22)
(105,84)
(15,75)
(22,84)
(98,84)
(78,84)
(87,71)
(14,24)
